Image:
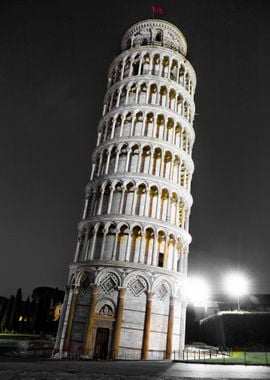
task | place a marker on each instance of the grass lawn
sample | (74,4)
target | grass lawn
(16,336)
(255,358)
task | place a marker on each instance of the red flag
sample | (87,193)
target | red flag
(157,10)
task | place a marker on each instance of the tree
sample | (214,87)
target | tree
(7,313)
(15,311)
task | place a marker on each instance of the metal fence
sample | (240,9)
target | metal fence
(120,354)
(222,357)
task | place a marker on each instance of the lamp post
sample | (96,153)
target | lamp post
(236,285)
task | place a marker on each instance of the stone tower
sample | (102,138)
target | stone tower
(125,295)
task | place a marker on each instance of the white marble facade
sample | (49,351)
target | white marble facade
(125,295)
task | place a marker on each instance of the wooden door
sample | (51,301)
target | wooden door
(101,343)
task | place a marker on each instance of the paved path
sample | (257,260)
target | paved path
(83,370)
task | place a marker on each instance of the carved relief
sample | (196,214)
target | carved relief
(106,311)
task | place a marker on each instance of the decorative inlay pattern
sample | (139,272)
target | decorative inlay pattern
(137,286)
(162,291)
(109,283)
(88,279)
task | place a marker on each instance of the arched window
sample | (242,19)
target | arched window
(159,36)
(128,45)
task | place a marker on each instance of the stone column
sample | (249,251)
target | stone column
(175,254)
(122,200)
(93,201)
(132,125)
(182,325)
(77,250)
(146,202)
(105,137)
(166,252)
(85,207)
(115,245)
(155,250)
(122,69)
(108,162)
(147,326)
(139,162)
(118,96)
(90,322)
(103,244)
(157,213)
(162,164)
(116,160)
(57,345)
(128,159)
(186,225)
(113,128)
(127,95)
(151,162)
(185,262)
(118,323)
(169,343)
(127,253)
(94,238)
(122,126)
(85,240)
(93,170)
(140,66)
(142,248)
(110,200)
(98,139)
(71,312)
(168,209)
(100,164)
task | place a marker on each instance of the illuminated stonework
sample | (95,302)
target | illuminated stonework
(125,297)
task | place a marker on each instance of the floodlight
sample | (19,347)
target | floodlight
(197,290)
(236,285)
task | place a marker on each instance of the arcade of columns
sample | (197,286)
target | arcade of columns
(125,296)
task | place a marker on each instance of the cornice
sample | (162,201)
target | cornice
(145,140)
(156,109)
(169,83)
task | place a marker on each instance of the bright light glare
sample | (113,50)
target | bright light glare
(198,291)
(236,284)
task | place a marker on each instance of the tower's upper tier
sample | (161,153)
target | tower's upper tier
(155,32)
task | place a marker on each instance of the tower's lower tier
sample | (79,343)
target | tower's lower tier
(112,310)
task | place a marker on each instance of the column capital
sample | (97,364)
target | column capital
(150,295)
(75,290)
(94,288)
(121,291)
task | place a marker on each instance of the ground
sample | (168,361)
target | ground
(86,370)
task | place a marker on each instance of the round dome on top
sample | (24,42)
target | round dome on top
(155,32)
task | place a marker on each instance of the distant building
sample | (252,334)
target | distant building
(220,324)
(125,296)
(39,315)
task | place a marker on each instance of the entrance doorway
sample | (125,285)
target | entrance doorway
(101,343)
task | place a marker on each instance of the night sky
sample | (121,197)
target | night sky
(54,57)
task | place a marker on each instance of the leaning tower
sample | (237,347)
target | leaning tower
(125,295)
